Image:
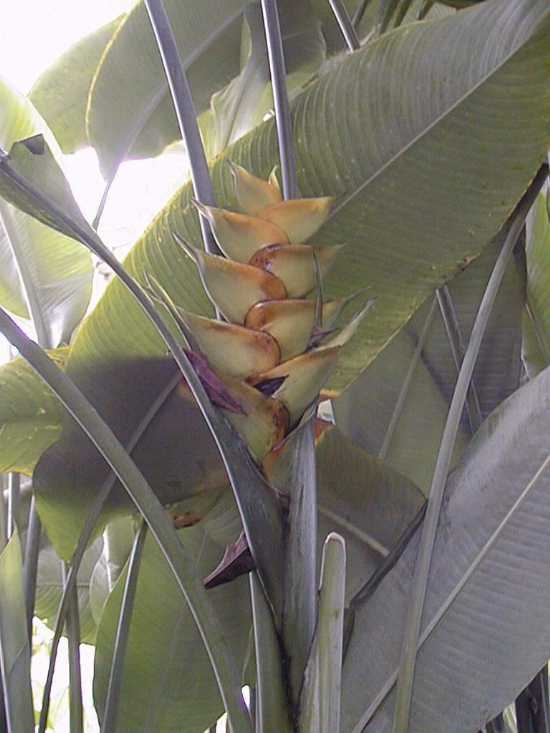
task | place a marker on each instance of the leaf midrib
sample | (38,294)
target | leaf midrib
(443,115)
(392,679)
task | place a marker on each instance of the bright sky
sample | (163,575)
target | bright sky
(39,32)
(35,34)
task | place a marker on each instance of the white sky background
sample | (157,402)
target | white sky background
(34,34)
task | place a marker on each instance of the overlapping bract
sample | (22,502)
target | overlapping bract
(278,342)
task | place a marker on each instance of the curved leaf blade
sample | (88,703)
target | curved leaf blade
(30,415)
(165,654)
(393,182)
(131,72)
(61,93)
(45,275)
(488,577)
(537,316)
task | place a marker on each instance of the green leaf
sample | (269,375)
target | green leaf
(498,367)
(487,578)
(61,93)
(247,99)
(176,453)
(165,654)
(321,695)
(30,415)
(393,182)
(49,588)
(365,501)
(537,316)
(364,411)
(131,72)
(178,559)
(15,653)
(44,275)
(368,503)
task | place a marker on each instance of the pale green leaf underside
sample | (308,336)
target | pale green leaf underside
(365,410)
(44,274)
(30,416)
(131,73)
(489,578)
(537,316)
(61,92)
(399,159)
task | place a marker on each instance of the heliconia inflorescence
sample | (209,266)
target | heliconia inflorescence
(276,342)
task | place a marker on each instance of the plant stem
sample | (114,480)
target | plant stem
(321,699)
(181,564)
(123,631)
(283,120)
(300,589)
(14,489)
(429,529)
(185,112)
(345,23)
(32,549)
(271,702)
(359,13)
(75,673)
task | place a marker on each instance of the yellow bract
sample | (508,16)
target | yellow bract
(291,322)
(249,351)
(299,218)
(254,194)
(294,264)
(278,348)
(240,236)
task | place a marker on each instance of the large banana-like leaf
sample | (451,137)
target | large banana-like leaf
(486,621)
(61,93)
(391,181)
(247,99)
(370,504)
(176,453)
(537,316)
(498,367)
(364,500)
(129,107)
(165,654)
(41,270)
(365,410)
(30,415)
(49,588)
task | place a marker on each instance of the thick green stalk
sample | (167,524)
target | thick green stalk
(345,23)
(283,120)
(72,626)
(320,708)
(272,710)
(185,112)
(181,564)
